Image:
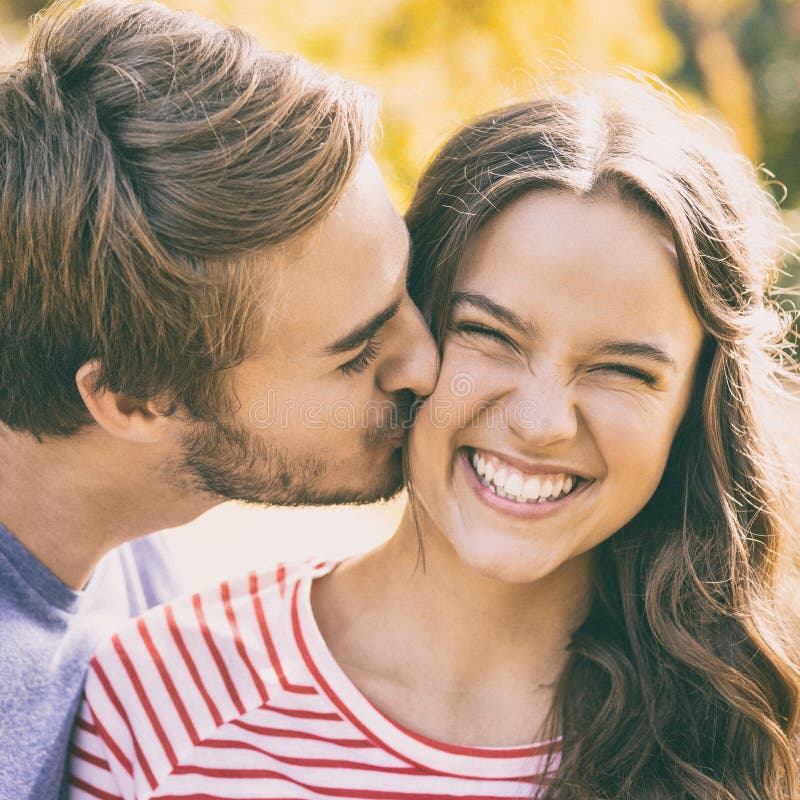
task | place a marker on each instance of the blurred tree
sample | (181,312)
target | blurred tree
(438,63)
(22,9)
(744,55)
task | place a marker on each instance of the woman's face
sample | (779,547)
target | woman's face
(567,368)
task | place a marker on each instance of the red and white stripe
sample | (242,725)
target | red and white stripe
(232,693)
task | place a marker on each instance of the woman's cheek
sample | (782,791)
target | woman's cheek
(471,377)
(634,442)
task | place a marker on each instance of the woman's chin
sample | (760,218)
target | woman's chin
(500,559)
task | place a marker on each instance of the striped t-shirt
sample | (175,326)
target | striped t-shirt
(232,693)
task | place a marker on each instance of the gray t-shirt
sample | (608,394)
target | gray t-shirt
(47,635)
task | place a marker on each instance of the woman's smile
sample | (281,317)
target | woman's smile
(530,491)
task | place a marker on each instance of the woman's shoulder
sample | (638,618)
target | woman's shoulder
(224,643)
(184,670)
(222,611)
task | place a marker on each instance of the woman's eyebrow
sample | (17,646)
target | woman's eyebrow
(500,312)
(637,349)
(610,347)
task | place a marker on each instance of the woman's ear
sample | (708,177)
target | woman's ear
(118,414)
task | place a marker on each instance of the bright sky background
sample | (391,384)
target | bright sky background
(234,538)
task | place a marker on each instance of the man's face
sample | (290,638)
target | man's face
(321,409)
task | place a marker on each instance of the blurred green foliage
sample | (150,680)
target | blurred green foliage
(438,62)
(765,36)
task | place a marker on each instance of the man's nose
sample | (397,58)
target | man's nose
(412,362)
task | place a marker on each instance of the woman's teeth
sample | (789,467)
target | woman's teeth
(508,482)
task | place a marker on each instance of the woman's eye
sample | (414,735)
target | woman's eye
(628,372)
(363,359)
(474,329)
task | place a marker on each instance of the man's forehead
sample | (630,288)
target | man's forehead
(367,183)
(317,306)
(363,209)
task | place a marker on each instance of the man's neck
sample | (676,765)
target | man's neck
(71,500)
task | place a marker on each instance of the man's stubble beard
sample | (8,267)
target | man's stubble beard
(230,462)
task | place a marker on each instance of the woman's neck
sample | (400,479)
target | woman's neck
(448,652)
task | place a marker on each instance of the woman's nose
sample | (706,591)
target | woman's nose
(542,412)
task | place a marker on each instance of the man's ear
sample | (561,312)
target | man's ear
(118,414)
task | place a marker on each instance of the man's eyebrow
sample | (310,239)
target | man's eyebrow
(361,334)
(483,303)
(646,350)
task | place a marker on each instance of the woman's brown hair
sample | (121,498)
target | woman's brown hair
(683,679)
(148,161)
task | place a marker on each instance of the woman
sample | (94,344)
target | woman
(580,601)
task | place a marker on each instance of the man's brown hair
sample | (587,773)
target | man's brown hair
(147,157)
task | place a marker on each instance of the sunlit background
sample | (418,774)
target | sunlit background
(438,62)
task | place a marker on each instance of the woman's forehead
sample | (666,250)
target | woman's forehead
(555,258)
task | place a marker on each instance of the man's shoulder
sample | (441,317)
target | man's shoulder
(49,633)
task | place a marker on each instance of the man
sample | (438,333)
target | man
(202,296)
